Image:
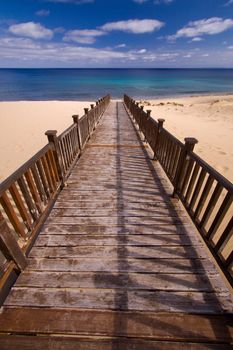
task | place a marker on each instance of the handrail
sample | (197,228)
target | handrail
(205,193)
(27,196)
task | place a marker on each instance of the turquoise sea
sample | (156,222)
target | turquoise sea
(89,84)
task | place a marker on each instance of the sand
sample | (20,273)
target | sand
(22,128)
(208,118)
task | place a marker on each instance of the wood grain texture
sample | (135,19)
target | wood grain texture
(63,343)
(160,326)
(118,264)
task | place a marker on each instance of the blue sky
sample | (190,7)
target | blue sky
(116,33)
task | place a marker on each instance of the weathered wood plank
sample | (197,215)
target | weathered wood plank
(97,298)
(126,229)
(115,203)
(69,343)
(118,240)
(156,212)
(87,195)
(121,251)
(176,327)
(131,281)
(112,221)
(122,265)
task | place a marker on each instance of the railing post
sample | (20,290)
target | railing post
(94,117)
(188,147)
(137,114)
(141,122)
(76,121)
(97,111)
(148,112)
(9,246)
(86,113)
(159,129)
(52,137)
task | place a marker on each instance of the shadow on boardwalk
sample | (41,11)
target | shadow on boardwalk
(132,170)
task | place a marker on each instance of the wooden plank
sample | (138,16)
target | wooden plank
(89,229)
(116,203)
(112,221)
(70,240)
(69,343)
(151,191)
(121,251)
(156,301)
(95,195)
(122,265)
(149,213)
(132,281)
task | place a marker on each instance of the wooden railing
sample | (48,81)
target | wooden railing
(205,193)
(27,196)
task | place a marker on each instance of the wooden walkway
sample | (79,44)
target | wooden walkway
(118,264)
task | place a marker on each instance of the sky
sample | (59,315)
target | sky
(116,33)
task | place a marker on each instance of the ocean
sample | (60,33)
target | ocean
(90,84)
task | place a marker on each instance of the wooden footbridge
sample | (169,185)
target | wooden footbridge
(97,252)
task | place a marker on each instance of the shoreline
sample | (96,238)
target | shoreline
(158,97)
(209,118)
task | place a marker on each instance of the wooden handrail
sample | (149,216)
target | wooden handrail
(205,193)
(27,195)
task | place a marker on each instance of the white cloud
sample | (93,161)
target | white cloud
(142,51)
(140,1)
(25,52)
(196,38)
(43,13)
(84,36)
(120,46)
(18,43)
(210,26)
(135,26)
(31,30)
(230,47)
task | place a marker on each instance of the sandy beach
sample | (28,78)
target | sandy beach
(208,118)
(22,128)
